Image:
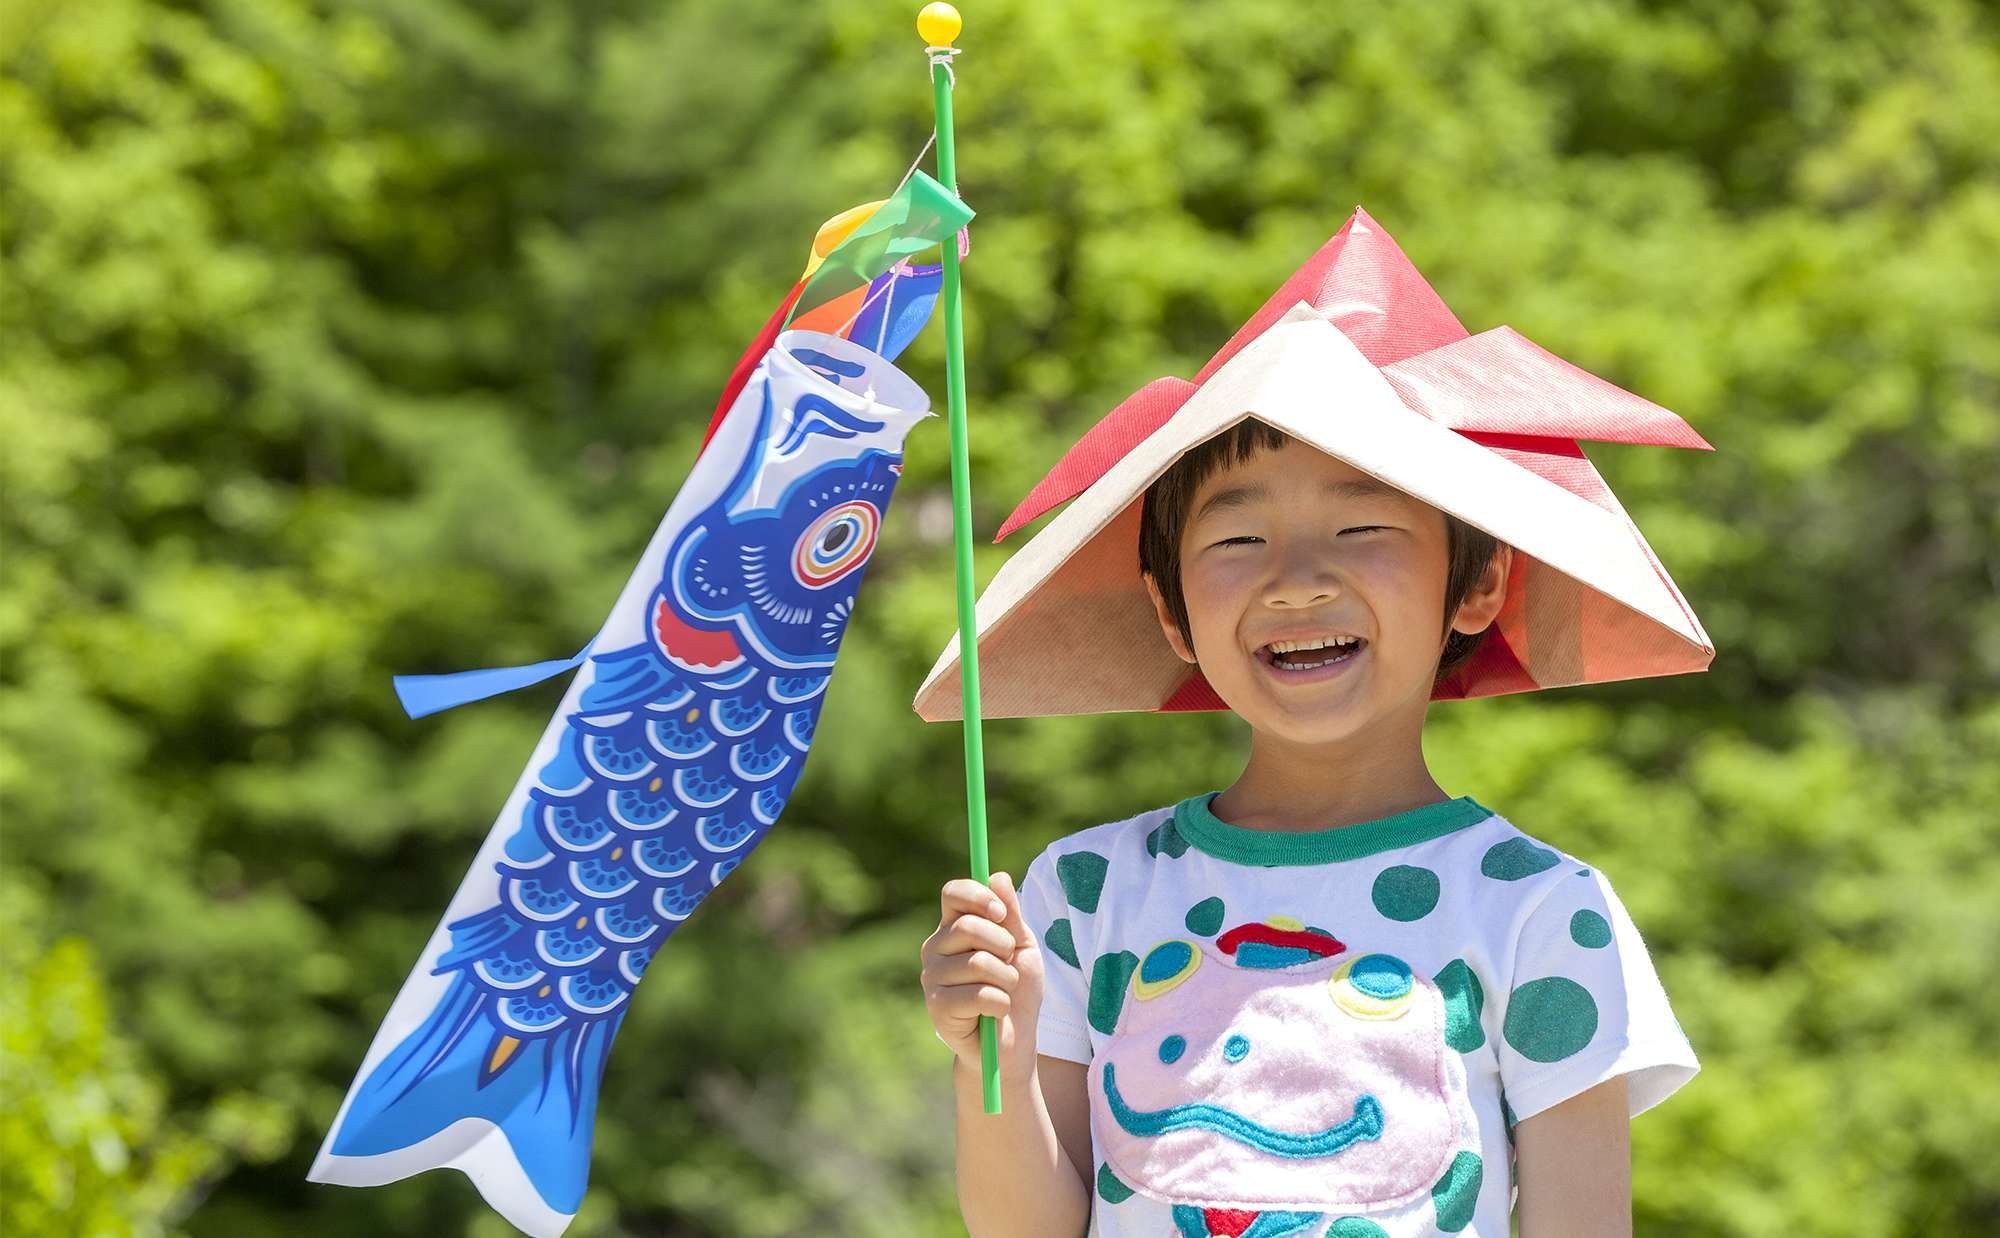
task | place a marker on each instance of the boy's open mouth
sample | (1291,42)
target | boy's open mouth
(1309,654)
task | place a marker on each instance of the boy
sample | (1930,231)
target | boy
(1329,999)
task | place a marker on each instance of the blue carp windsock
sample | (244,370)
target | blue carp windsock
(670,757)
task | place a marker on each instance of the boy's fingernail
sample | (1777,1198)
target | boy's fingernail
(999,910)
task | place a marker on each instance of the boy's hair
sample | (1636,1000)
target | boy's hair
(1164,513)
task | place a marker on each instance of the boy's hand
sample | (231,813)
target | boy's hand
(983,959)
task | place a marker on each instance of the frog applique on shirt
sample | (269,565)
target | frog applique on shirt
(1331,1034)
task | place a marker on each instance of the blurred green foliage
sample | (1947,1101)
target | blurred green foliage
(86,1145)
(343,337)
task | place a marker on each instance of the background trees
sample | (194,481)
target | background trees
(347,337)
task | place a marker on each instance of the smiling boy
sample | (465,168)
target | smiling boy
(1331,998)
(1291,569)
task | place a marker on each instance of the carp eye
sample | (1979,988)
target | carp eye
(1165,967)
(839,541)
(1373,986)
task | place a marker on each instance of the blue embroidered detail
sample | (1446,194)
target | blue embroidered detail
(1263,954)
(1164,961)
(1235,1049)
(1279,1224)
(1171,1049)
(1382,976)
(1366,1123)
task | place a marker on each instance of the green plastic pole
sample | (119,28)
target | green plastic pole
(961,509)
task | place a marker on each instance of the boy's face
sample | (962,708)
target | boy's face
(1296,546)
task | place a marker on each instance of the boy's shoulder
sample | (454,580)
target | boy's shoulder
(1506,874)
(1507,852)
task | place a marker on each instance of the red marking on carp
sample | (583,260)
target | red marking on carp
(690,645)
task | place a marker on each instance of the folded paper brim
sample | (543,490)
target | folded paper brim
(1067,626)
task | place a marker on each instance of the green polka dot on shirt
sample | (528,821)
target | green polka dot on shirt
(1516,858)
(1456,1194)
(1355,1227)
(1061,941)
(1463,1001)
(1549,1019)
(1108,977)
(1165,837)
(1109,1187)
(1082,877)
(1205,917)
(1405,892)
(1589,930)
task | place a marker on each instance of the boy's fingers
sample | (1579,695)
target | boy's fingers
(968,932)
(963,894)
(977,967)
(971,1000)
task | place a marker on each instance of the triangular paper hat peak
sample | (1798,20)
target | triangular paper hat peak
(1357,355)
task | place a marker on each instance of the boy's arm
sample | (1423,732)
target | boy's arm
(1017,1172)
(1068,1098)
(1575,1165)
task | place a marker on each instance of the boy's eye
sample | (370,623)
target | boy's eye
(1364,528)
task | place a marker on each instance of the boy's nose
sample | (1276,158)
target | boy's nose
(1302,579)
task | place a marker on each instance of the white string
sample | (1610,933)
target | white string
(943,55)
(845,326)
(912,169)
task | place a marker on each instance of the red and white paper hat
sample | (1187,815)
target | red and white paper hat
(1357,356)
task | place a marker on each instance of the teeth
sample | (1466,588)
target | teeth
(1333,642)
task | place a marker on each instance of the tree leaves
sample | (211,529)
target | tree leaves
(350,338)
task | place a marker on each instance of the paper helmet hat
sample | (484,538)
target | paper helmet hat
(1357,356)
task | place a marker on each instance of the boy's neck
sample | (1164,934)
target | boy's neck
(1290,788)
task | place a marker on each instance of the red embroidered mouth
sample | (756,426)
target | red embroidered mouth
(691,646)
(1317,943)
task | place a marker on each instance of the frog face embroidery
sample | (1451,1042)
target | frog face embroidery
(1274,1075)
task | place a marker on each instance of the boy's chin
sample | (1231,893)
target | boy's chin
(1318,729)
(1308,718)
(1316,723)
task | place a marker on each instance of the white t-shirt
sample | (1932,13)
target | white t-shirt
(1332,1033)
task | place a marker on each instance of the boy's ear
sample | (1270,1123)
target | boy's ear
(1172,630)
(1482,602)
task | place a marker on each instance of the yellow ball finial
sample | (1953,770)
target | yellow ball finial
(939,24)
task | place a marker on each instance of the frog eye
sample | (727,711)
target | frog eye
(1373,986)
(1165,967)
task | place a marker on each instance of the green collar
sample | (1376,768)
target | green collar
(1199,825)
